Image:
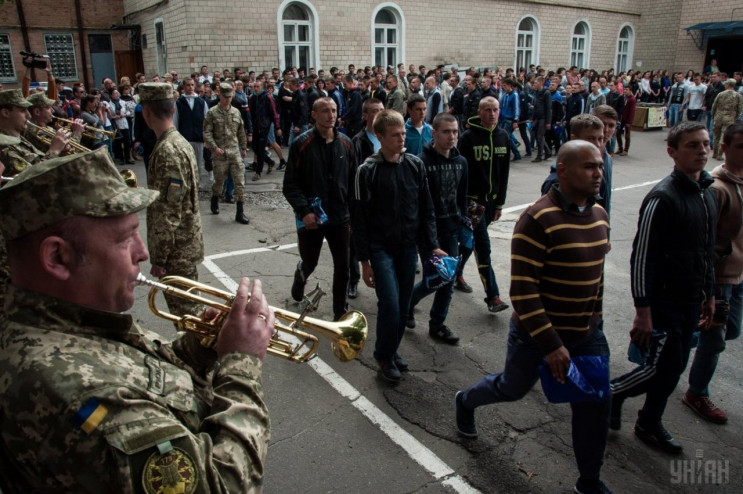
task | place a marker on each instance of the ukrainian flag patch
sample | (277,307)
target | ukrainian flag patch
(90,415)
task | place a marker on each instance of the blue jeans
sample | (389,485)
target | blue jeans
(675,114)
(394,274)
(523,358)
(658,380)
(481,241)
(712,341)
(507,125)
(525,137)
(440,307)
(293,135)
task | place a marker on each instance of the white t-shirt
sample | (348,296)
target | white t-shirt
(696,96)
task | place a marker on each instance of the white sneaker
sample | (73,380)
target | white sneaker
(211,177)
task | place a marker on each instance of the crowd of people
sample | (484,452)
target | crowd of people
(391,167)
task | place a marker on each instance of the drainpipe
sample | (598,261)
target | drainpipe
(81,37)
(24,31)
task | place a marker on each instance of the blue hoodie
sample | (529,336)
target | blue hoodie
(414,140)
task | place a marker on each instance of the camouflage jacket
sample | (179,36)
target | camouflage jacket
(173,221)
(727,104)
(16,153)
(90,403)
(224,129)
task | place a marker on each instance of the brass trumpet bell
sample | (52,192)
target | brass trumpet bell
(347,335)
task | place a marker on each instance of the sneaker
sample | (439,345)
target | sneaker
(400,363)
(537,160)
(270,169)
(515,158)
(256,177)
(211,176)
(299,282)
(353,289)
(594,486)
(410,321)
(615,416)
(389,371)
(282,164)
(443,333)
(704,407)
(495,304)
(658,438)
(462,285)
(465,418)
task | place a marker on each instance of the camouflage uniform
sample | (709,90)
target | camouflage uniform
(91,403)
(39,100)
(726,108)
(174,236)
(224,129)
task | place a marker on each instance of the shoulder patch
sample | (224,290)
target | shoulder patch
(90,415)
(173,471)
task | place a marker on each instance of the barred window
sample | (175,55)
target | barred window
(7,69)
(61,51)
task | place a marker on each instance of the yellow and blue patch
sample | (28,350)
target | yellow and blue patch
(90,415)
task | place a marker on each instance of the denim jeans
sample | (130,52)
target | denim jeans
(523,358)
(293,135)
(440,307)
(507,125)
(228,188)
(657,381)
(712,341)
(525,137)
(675,114)
(481,241)
(394,274)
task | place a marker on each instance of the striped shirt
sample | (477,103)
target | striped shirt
(557,261)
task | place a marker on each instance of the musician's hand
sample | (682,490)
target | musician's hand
(310,221)
(157,271)
(78,126)
(249,325)
(367,274)
(59,142)
(559,362)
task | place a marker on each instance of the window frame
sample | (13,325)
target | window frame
(630,48)
(55,69)
(586,51)
(161,49)
(313,24)
(399,27)
(14,78)
(536,41)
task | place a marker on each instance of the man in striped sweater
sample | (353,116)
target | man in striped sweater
(557,258)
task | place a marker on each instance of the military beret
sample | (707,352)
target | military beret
(39,100)
(13,97)
(154,91)
(225,89)
(86,184)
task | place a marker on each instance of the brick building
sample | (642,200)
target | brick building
(159,35)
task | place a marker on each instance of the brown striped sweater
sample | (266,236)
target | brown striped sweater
(557,261)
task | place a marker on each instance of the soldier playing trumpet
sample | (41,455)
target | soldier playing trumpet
(41,118)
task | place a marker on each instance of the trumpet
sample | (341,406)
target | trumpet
(92,132)
(46,135)
(347,335)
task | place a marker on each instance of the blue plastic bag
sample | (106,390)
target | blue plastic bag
(316,207)
(639,355)
(438,271)
(587,379)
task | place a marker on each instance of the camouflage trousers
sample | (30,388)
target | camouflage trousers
(722,122)
(233,162)
(177,305)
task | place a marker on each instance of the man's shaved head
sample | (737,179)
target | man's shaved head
(570,152)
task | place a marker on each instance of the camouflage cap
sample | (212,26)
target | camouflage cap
(39,100)
(86,184)
(13,97)
(225,89)
(154,91)
(730,82)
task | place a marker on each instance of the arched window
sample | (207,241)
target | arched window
(527,43)
(580,45)
(297,35)
(387,35)
(625,46)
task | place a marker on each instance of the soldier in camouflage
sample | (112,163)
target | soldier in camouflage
(89,402)
(174,236)
(41,116)
(224,134)
(726,108)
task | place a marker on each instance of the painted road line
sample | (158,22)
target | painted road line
(414,448)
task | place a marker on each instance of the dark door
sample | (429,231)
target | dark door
(129,62)
(727,52)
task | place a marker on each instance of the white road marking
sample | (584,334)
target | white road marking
(414,448)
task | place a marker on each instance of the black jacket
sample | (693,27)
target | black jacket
(393,206)
(456,101)
(471,103)
(310,174)
(543,105)
(447,181)
(362,146)
(672,253)
(488,160)
(352,117)
(300,108)
(616,101)
(263,113)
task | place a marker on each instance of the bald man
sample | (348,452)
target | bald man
(556,320)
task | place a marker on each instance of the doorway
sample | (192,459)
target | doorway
(101,57)
(727,52)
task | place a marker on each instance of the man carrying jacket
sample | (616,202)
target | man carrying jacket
(321,166)
(486,149)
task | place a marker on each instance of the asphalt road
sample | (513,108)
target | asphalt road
(337,428)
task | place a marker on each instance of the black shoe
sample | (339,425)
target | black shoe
(547,156)
(465,418)
(299,282)
(594,486)
(240,215)
(537,160)
(515,158)
(659,438)
(615,417)
(282,165)
(400,363)
(353,289)
(215,204)
(443,333)
(462,285)
(410,321)
(389,371)
(495,304)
